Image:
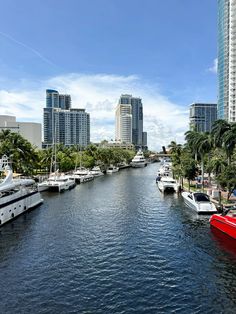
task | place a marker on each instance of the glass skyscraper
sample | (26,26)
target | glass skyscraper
(63,124)
(202,116)
(138,138)
(227,60)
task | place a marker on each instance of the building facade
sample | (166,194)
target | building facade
(227,60)
(63,124)
(123,119)
(31,131)
(202,116)
(137,119)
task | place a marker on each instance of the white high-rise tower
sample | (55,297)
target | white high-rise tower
(227,60)
(124,123)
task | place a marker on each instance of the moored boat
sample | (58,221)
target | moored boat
(16,195)
(81,175)
(57,183)
(167,184)
(225,222)
(96,172)
(200,202)
(112,169)
(139,160)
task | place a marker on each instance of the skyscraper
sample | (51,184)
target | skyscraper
(63,124)
(123,123)
(202,116)
(137,119)
(227,60)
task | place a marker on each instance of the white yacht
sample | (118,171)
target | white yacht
(57,182)
(96,172)
(112,169)
(139,160)
(200,202)
(16,195)
(81,175)
(164,170)
(167,184)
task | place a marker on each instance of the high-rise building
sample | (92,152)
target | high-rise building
(123,123)
(227,60)
(202,116)
(63,124)
(137,118)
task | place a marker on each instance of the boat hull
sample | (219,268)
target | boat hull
(15,207)
(164,189)
(138,165)
(225,224)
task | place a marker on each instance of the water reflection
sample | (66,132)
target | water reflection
(224,242)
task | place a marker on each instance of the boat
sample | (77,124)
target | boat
(167,184)
(200,202)
(96,172)
(139,160)
(16,195)
(164,170)
(225,222)
(82,175)
(112,169)
(57,183)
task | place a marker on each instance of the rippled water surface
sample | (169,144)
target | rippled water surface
(116,245)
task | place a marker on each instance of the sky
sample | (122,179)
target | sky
(162,51)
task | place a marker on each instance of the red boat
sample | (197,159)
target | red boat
(225,222)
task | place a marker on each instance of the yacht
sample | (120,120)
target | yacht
(164,170)
(112,169)
(82,175)
(167,184)
(200,202)
(139,160)
(16,195)
(96,172)
(57,183)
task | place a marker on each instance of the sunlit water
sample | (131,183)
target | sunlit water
(116,245)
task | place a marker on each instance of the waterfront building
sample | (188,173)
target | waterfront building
(227,60)
(31,131)
(115,144)
(137,119)
(202,116)
(123,119)
(63,124)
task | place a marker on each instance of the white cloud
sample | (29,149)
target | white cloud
(163,120)
(214,68)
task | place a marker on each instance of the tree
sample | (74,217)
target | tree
(227,179)
(218,130)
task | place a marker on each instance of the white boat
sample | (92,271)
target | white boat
(96,172)
(16,195)
(82,175)
(57,182)
(168,184)
(200,202)
(139,160)
(164,170)
(112,169)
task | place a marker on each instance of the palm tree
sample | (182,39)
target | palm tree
(218,130)
(191,137)
(203,145)
(229,141)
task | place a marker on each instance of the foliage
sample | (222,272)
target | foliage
(227,179)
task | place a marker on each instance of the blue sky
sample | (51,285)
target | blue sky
(163,50)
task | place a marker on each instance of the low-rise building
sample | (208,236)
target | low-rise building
(31,131)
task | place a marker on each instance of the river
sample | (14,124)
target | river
(116,245)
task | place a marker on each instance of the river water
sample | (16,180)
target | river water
(116,245)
